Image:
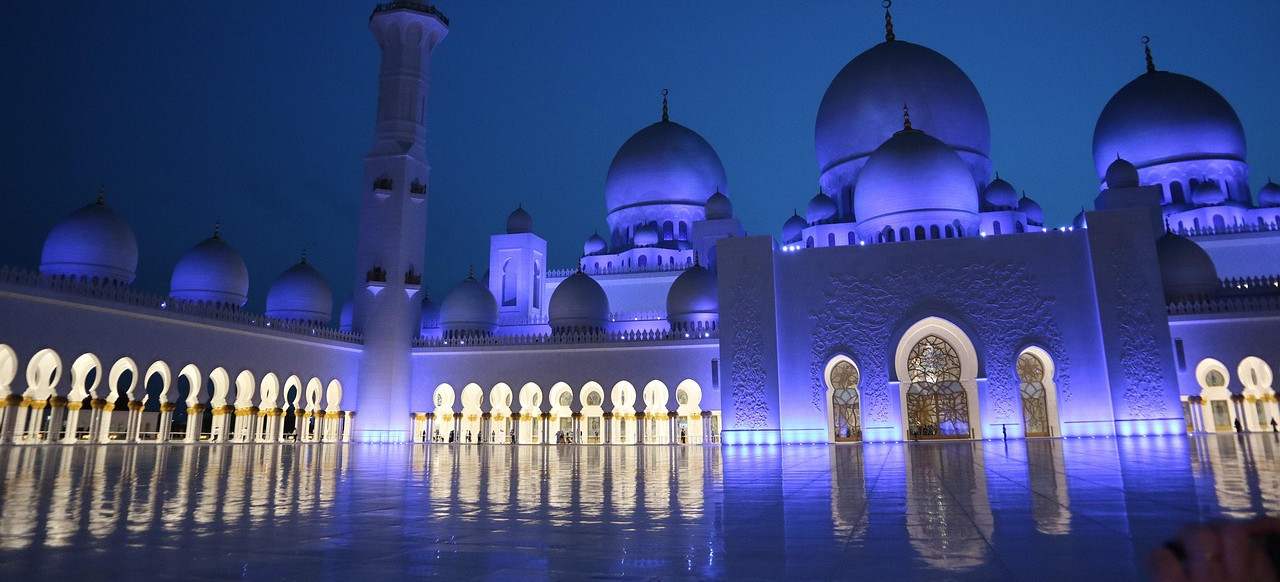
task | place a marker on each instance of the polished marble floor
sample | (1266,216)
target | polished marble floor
(1076,509)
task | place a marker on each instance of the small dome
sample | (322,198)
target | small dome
(1000,194)
(1207,193)
(821,207)
(519,221)
(300,294)
(646,236)
(792,228)
(1031,208)
(211,272)
(1269,195)
(693,298)
(1186,268)
(347,316)
(430,314)
(1121,174)
(469,309)
(92,242)
(595,244)
(719,207)
(1080,221)
(1162,116)
(914,178)
(579,304)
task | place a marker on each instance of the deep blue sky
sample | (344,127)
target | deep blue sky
(258,114)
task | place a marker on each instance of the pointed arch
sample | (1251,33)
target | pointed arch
(937,366)
(844,399)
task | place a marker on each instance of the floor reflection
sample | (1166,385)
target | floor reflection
(982,510)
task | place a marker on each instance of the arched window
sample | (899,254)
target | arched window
(852,239)
(684,230)
(594,398)
(937,406)
(951,232)
(933,232)
(509,282)
(808,243)
(642,261)
(1175,192)
(1035,403)
(1219,223)
(1018,227)
(831,239)
(668,230)
(995,227)
(537,283)
(1214,379)
(904,234)
(846,408)
(919,233)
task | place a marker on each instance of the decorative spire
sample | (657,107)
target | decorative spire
(471,272)
(664,106)
(304,256)
(888,21)
(695,259)
(102,195)
(1146,47)
(217,230)
(906,116)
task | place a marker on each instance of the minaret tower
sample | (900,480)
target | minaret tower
(393,220)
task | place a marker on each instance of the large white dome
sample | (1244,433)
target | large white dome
(300,294)
(469,309)
(863,107)
(211,272)
(915,180)
(579,305)
(93,242)
(1186,268)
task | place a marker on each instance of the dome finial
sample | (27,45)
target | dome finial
(695,259)
(471,272)
(906,115)
(217,230)
(1146,47)
(304,256)
(888,21)
(664,105)
(102,195)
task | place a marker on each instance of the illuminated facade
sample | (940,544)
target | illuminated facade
(917,298)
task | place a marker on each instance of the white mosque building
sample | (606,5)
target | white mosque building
(918,298)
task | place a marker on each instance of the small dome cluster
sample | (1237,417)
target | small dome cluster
(578,305)
(94,245)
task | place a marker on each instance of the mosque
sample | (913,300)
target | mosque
(919,297)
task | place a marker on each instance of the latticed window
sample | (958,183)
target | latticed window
(566,398)
(594,399)
(933,360)
(1035,404)
(1214,379)
(845,406)
(937,405)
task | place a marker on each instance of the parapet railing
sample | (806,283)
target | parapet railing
(619,269)
(167,305)
(1235,228)
(410,5)
(1228,304)
(1260,284)
(683,333)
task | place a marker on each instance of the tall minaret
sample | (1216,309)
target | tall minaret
(393,220)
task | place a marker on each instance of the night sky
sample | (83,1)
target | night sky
(259,114)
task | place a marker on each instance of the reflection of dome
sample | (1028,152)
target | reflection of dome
(1269,195)
(300,294)
(519,221)
(719,207)
(1186,268)
(347,314)
(595,244)
(693,298)
(1031,208)
(1121,174)
(578,305)
(469,309)
(646,235)
(1000,194)
(860,110)
(662,173)
(1161,119)
(914,179)
(211,272)
(93,242)
(821,207)
(792,227)
(1207,193)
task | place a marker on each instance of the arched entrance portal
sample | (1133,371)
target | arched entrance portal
(1035,388)
(937,404)
(842,397)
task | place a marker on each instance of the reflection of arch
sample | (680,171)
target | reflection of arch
(937,367)
(1213,378)
(1039,393)
(844,410)
(942,537)
(43,372)
(1260,398)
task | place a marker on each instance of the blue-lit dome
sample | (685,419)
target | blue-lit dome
(1208,193)
(693,298)
(91,243)
(578,305)
(914,179)
(862,108)
(300,294)
(469,309)
(719,207)
(519,221)
(1163,119)
(821,207)
(211,272)
(1031,208)
(663,173)
(646,236)
(792,228)
(1186,268)
(1121,174)
(1269,195)
(1000,194)
(595,244)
